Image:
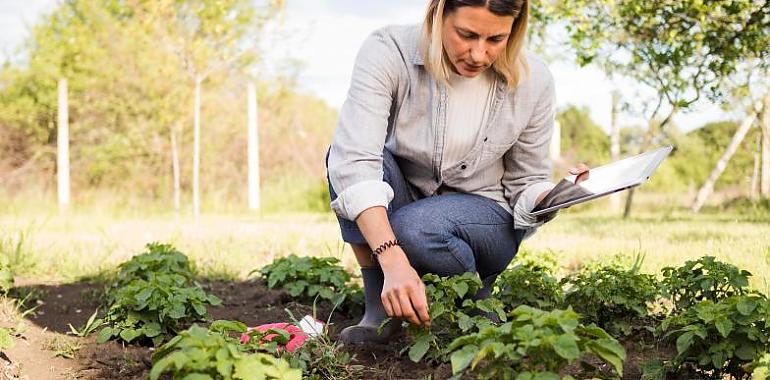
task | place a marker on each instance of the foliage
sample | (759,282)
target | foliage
(6,339)
(6,276)
(214,354)
(153,297)
(535,344)
(615,298)
(719,338)
(702,279)
(452,313)
(581,138)
(310,277)
(529,284)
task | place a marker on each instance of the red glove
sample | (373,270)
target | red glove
(297,336)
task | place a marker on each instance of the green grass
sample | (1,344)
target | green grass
(51,246)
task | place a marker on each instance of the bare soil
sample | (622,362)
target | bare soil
(59,305)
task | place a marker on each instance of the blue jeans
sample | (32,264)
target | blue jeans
(445,234)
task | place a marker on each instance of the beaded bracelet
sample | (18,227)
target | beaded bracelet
(379,250)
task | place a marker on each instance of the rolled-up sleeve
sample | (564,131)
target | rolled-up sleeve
(355,158)
(527,162)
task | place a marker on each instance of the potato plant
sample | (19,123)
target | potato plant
(452,314)
(703,279)
(534,344)
(214,353)
(714,339)
(309,277)
(614,298)
(153,297)
(529,284)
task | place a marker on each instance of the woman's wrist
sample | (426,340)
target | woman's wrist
(391,258)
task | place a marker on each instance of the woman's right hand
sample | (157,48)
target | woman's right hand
(403,292)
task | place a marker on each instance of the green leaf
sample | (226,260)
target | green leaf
(462,358)
(104,335)
(6,341)
(420,348)
(684,342)
(460,288)
(129,334)
(724,326)
(746,352)
(746,306)
(566,347)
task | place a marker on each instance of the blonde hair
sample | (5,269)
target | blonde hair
(511,65)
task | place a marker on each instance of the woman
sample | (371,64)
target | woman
(440,154)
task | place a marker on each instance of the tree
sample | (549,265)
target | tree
(682,49)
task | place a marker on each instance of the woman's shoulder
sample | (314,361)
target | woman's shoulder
(398,40)
(540,77)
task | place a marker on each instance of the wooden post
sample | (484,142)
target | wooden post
(765,129)
(253,148)
(63,148)
(197,149)
(175,169)
(754,187)
(615,199)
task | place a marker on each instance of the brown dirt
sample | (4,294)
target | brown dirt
(59,305)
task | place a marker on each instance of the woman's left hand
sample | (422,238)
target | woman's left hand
(581,171)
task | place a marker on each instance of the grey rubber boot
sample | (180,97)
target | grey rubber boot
(366,330)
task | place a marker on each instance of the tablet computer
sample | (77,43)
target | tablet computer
(603,180)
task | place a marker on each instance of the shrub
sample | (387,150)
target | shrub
(452,313)
(714,339)
(311,277)
(153,297)
(535,344)
(214,354)
(529,284)
(703,279)
(612,297)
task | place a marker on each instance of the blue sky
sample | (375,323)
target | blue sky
(326,35)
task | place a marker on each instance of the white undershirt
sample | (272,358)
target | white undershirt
(467,112)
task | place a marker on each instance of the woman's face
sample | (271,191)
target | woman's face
(474,37)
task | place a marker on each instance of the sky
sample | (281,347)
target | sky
(326,35)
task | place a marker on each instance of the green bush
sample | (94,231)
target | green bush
(535,344)
(703,279)
(452,314)
(529,284)
(309,277)
(153,297)
(199,353)
(612,297)
(714,339)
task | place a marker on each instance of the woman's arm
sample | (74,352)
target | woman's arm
(403,293)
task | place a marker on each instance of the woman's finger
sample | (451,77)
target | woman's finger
(420,304)
(386,304)
(406,308)
(396,305)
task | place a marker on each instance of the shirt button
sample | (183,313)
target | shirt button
(463,166)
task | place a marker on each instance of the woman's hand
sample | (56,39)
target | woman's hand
(403,293)
(581,171)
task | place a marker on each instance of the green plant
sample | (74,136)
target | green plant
(452,313)
(311,277)
(535,344)
(153,297)
(714,339)
(91,325)
(6,276)
(612,297)
(6,338)
(198,353)
(63,347)
(529,284)
(703,279)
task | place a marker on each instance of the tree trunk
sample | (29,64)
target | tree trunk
(253,148)
(765,126)
(652,130)
(63,148)
(708,187)
(615,144)
(197,149)
(175,167)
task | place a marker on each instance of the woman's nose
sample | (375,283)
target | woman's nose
(479,54)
